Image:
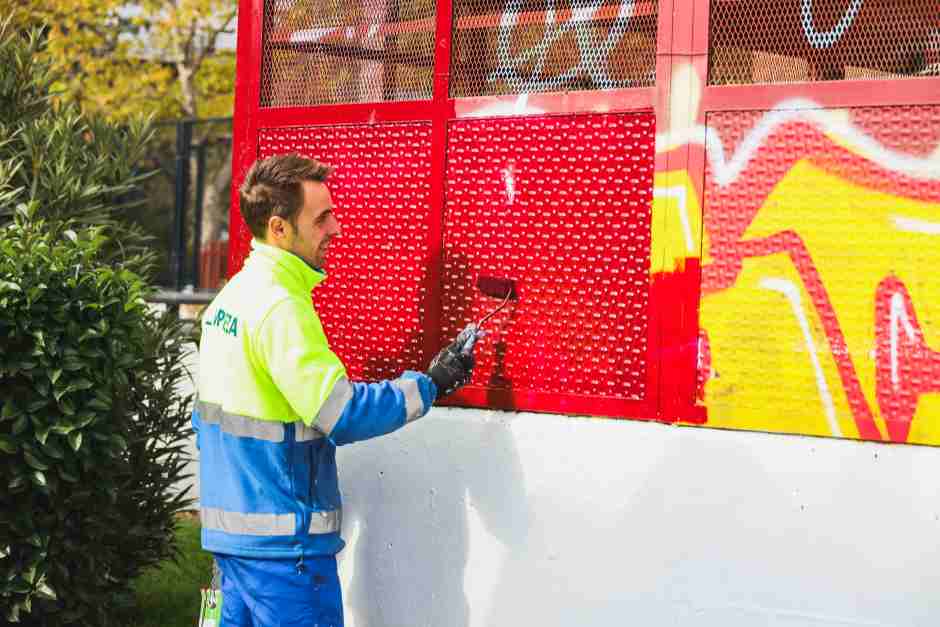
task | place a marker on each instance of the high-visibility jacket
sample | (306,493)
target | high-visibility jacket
(273,402)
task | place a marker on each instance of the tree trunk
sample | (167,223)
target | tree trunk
(217,200)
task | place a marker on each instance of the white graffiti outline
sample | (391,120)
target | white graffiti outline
(827,39)
(792,294)
(835,123)
(898,320)
(914,225)
(594,57)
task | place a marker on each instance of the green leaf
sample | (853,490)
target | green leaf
(42,433)
(68,476)
(73,363)
(8,411)
(63,428)
(34,462)
(46,592)
(75,440)
(79,384)
(16,482)
(97,403)
(69,233)
(52,448)
(38,478)
(54,375)
(85,419)
(7,444)
(20,425)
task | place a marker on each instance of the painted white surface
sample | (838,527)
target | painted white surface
(473,518)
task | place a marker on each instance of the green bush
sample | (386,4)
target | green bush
(92,425)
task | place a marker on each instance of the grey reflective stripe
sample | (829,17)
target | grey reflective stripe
(242,426)
(248,524)
(303,433)
(326,522)
(414,404)
(334,405)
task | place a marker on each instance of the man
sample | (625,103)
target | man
(274,402)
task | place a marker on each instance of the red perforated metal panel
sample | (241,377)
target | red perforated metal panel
(518,46)
(327,52)
(562,206)
(372,304)
(756,41)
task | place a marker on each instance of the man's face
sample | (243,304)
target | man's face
(316,226)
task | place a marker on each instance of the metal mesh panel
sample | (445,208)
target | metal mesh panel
(756,41)
(372,304)
(561,205)
(330,52)
(526,46)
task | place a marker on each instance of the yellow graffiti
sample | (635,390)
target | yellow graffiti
(772,367)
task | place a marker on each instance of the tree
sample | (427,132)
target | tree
(158,58)
(126,58)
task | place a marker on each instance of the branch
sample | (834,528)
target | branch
(212,37)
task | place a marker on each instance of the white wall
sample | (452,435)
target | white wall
(472,518)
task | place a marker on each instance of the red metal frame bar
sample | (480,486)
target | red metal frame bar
(245,120)
(435,266)
(826,94)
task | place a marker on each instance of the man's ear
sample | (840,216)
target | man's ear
(278,228)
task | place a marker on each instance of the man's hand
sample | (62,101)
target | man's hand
(453,366)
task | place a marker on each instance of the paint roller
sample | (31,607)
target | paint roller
(494,287)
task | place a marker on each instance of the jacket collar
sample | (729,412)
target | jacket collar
(288,269)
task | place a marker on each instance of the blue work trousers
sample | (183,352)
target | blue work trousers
(280,592)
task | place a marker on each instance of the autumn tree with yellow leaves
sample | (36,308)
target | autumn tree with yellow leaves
(123,58)
(163,59)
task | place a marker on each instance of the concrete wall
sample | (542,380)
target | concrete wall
(472,518)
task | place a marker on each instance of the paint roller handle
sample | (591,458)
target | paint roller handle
(452,368)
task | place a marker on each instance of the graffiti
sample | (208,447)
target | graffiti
(853,340)
(827,39)
(792,294)
(913,366)
(594,55)
(727,169)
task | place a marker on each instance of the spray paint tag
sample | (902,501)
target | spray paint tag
(210,612)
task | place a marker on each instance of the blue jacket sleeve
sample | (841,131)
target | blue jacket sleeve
(375,409)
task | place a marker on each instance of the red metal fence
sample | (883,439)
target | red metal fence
(527,139)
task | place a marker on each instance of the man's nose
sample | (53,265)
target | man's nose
(337,230)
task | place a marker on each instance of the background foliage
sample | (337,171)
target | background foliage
(92,426)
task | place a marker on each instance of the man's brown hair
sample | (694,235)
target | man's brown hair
(273,187)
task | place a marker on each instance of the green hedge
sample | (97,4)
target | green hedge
(92,423)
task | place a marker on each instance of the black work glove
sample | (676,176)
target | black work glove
(453,366)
